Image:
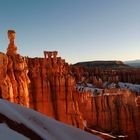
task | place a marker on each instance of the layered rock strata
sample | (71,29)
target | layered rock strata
(14,78)
(52,89)
(116,113)
(48,85)
(99,75)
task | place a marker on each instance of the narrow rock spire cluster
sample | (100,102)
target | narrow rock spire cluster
(14,85)
(48,85)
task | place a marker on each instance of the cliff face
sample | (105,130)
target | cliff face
(47,85)
(99,75)
(114,113)
(3,66)
(52,90)
(112,110)
(14,79)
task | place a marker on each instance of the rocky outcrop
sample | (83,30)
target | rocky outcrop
(3,66)
(52,89)
(113,113)
(48,85)
(110,75)
(14,78)
(137,100)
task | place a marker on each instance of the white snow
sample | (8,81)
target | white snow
(45,127)
(8,134)
(88,87)
(96,91)
(132,87)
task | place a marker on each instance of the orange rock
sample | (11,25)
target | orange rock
(12,49)
(15,85)
(52,91)
(48,85)
(113,113)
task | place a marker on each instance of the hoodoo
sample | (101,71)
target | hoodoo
(14,86)
(98,99)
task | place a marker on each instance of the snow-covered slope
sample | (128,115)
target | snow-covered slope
(96,91)
(8,134)
(15,118)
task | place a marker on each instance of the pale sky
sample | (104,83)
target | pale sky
(80,30)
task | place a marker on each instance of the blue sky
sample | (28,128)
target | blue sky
(80,30)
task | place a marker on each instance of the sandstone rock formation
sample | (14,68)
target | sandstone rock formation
(113,113)
(14,83)
(137,100)
(3,67)
(12,49)
(128,75)
(48,85)
(52,89)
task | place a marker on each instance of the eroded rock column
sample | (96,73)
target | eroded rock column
(14,86)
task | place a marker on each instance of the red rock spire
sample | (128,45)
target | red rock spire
(12,49)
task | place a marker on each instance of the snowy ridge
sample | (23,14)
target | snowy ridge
(132,87)
(97,91)
(89,87)
(7,134)
(46,128)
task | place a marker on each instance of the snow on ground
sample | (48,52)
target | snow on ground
(88,87)
(96,91)
(8,134)
(132,87)
(45,127)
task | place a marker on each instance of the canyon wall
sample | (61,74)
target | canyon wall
(99,75)
(14,79)
(115,113)
(44,84)
(52,89)
(48,85)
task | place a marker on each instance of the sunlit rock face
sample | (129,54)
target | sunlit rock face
(52,89)
(96,75)
(113,109)
(3,67)
(48,85)
(14,78)
(114,113)
(12,49)
(47,88)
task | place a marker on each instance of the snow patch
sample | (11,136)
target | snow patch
(46,128)
(8,134)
